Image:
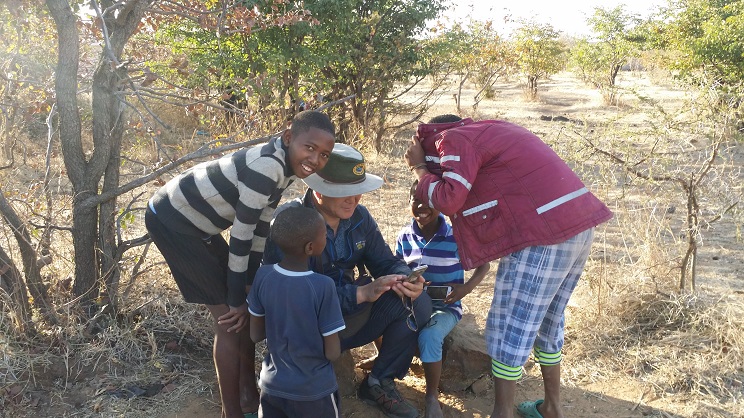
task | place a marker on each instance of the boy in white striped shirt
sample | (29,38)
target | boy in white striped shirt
(238,192)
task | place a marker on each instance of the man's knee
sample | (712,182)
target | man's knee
(423,308)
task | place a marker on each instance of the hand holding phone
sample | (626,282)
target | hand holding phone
(438,292)
(416,273)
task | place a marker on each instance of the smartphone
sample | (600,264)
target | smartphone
(438,292)
(416,273)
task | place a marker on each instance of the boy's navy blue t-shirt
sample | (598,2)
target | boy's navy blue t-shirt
(300,308)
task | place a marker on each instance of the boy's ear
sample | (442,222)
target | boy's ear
(308,248)
(286,137)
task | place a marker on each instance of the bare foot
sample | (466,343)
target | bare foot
(433,408)
(366,364)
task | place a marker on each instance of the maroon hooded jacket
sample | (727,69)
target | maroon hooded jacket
(503,189)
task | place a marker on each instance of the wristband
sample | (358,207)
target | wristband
(417,166)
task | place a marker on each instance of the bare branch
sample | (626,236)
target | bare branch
(50,226)
(46,237)
(136,270)
(36,285)
(124,213)
(631,168)
(104,30)
(710,161)
(724,212)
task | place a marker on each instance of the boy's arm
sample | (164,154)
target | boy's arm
(460,166)
(460,291)
(478,274)
(331,346)
(256,310)
(258,329)
(330,319)
(253,211)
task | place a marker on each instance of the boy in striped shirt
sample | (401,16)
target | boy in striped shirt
(428,240)
(239,192)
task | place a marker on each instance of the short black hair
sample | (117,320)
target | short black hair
(413,188)
(294,227)
(445,119)
(303,121)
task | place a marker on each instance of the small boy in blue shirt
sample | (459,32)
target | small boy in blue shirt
(298,313)
(428,240)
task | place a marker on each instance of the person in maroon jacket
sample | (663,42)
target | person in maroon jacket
(511,197)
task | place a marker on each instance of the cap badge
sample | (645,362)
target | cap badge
(358,169)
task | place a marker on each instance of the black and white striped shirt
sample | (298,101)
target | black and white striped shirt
(238,191)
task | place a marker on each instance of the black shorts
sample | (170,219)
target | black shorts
(198,265)
(276,407)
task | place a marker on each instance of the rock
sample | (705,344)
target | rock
(465,356)
(346,374)
(481,385)
(560,118)
(465,361)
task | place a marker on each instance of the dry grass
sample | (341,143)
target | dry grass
(131,362)
(674,345)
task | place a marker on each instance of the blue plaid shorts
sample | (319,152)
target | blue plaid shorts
(530,295)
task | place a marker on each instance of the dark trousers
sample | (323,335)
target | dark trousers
(276,407)
(388,319)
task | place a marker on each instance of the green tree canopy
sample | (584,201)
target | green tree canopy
(539,53)
(598,59)
(705,39)
(473,53)
(338,48)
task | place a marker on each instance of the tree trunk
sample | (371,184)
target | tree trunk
(85,175)
(7,124)
(84,234)
(381,116)
(84,182)
(532,86)
(70,138)
(28,256)
(11,282)
(613,74)
(107,227)
(357,107)
(458,97)
(689,261)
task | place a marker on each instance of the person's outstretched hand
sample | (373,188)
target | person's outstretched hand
(236,318)
(459,291)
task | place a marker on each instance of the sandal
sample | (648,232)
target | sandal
(528,409)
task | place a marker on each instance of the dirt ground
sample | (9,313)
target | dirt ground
(473,398)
